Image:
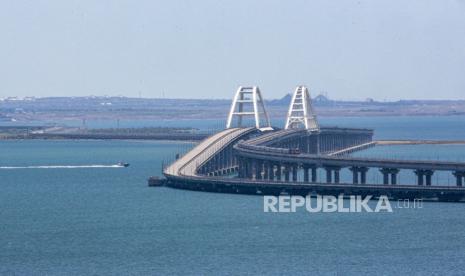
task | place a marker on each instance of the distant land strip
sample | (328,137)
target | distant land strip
(96,136)
(174,134)
(419,142)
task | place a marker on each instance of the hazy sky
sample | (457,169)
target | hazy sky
(205,49)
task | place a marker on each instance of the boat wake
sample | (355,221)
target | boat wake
(61,167)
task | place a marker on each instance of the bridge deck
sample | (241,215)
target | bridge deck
(273,136)
(272,154)
(352,149)
(183,172)
(188,164)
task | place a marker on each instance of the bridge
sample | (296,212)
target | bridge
(212,156)
(260,159)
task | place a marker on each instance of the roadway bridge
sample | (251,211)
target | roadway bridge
(247,160)
(327,140)
(212,156)
(277,164)
(262,160)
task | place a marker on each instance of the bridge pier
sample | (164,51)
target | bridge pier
(385,176)
(295,169)
(272,171)
(328,175)
(254,169)
(279,170)
(287,170)
(307,169)
(362,171)
(424,176)
(354,175)
(242,167)
(392,172)
(258,169)
(459,176)
(249,173)
(330,170)
(419,174)
(428,176)
(266,170)
(363,174)
(306,173)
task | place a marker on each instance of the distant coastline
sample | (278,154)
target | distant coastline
(21,110)
(69,133)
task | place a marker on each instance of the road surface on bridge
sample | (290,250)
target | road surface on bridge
(188,164)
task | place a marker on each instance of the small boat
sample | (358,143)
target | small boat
(122,164)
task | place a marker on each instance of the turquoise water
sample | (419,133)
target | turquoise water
(106,221)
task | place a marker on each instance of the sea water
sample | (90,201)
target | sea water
(106,221)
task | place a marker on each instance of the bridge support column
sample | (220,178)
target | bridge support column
(279,170)
(272,172)
(424,176)
(249,170)
(355,171)
(329,174)
(306,173)
(307,169)
(389,173)
(336,175)
(394,173)
(420,177)
(362,171)
(314,174)
(363,175)
(295,169)
(242,167)
(253,169)
(428,175)
(258,169)
(240,172)
(287,170)
(393,179)
(266,170)
(459,176)
(221,162)
(385,173)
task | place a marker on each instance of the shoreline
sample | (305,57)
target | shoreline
(419,142)
(198,137)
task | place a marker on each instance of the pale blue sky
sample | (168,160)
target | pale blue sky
(205,49)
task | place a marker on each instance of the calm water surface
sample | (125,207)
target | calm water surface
(106,221)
